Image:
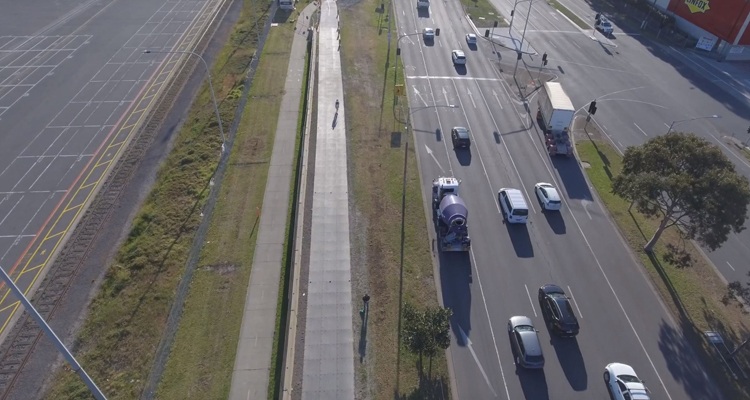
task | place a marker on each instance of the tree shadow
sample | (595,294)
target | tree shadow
(571,360)
(455,281)
(430,388)
(680,348)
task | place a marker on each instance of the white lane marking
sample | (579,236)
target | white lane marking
(639,128)
(492,331)
(479,153)
(530,301)
(497,129)
(419,95)
(497,98)
(466,340)
(722,144)
(585,204)
(457,78)
(580,315)
(429,151)
(445,95)
(730,266)
(471,97)
(575,44)
(666,124)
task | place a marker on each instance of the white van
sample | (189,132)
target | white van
(514,206)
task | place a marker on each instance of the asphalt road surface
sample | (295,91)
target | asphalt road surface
(74,88)
(642,87)
(579,249)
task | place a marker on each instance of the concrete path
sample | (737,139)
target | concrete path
(252,363)
(328,369)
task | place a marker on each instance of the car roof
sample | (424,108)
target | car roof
(462,132)
(428,29)
(471,35)
(531,343)
(458,53)
(515,196)
(520,320)
(621,369)
(552,192)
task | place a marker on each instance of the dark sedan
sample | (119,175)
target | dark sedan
(557,311)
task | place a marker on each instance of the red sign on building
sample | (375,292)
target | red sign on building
(723,18)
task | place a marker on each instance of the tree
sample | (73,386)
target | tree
(425,332)
(685,181)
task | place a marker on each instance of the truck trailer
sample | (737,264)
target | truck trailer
(450,215)
(555,116)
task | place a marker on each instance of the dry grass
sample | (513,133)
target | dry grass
(692,293)
(127,317)
(202,358)
(376,171)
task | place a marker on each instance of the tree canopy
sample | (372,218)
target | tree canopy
(686,181)
(425,332)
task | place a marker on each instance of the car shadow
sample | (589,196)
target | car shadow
(463,155)
(429,42)
(438,135)
(519,236)
(572,177)
(533,383)
(555,221)
(571,361)
(423,12)
(460,69)
(472,46)
(455,283)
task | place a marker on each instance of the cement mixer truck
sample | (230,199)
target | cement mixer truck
(450,215)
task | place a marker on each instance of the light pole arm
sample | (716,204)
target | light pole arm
(210,86)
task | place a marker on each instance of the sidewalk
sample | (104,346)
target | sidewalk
(252,363)
(328,366)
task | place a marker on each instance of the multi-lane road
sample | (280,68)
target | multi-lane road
(622,317)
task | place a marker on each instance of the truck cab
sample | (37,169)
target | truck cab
(443,186)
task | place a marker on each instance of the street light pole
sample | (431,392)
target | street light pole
(77,368)
(688,120)
(398,49)
(210,86)
(523,35)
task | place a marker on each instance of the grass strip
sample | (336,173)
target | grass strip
(376,156)
(483,13)
(127,317)
(202,359)
(570,14)
(693,294)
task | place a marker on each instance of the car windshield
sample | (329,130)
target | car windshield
(628,378)
(524,328)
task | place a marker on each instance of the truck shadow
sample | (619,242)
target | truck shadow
(572,178)
(455,283)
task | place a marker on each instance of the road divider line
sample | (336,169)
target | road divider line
(489,320)
(730,266)
(580,315)
(528,294)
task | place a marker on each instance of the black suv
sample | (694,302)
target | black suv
(557,312)
(460,137)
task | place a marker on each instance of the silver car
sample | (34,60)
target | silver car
(524,341)
(623,383)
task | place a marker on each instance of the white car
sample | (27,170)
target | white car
(623,383)
(471,38)
(459,58)
(428,33)
(548,196)
(604,26)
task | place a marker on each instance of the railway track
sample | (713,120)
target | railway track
(18,347)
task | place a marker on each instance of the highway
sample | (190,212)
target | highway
(74,89)
(622,318)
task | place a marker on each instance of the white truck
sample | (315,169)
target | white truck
(555,116)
